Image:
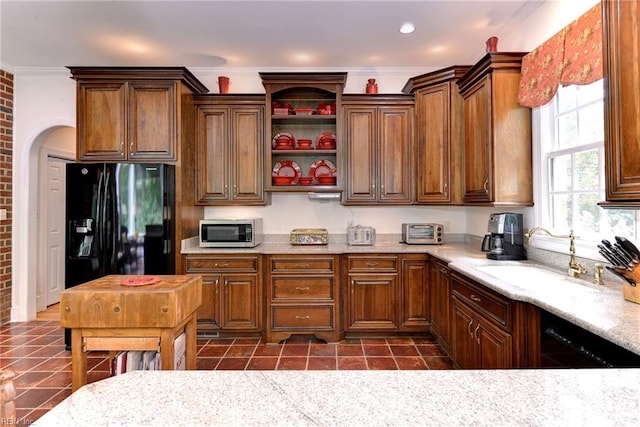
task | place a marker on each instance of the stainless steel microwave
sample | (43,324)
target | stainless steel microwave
(230,233)
(422,234)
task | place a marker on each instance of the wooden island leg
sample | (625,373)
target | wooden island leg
(78,360)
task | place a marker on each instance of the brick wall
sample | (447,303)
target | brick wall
(6,162)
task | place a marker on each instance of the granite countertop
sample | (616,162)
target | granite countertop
(598,309)
(602,397)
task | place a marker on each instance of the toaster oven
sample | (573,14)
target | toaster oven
(422,234)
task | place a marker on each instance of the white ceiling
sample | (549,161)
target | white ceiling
(257,33)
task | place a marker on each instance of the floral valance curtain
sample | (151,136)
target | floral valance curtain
(571,56)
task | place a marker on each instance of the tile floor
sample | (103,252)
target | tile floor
(35,352)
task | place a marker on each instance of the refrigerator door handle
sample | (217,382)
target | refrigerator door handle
(109,224)
(99,218)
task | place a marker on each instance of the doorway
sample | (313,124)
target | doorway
(56,151)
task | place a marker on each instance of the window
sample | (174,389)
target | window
(571,141)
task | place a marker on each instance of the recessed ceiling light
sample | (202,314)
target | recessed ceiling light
(407,28)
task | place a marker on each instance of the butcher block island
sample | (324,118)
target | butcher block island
(117,313)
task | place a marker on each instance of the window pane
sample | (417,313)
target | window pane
(590,92)
(566,98)
(591,120)
(618,222)
(587,225)
(560,171)
(567,130)
(561,207)
(587,171)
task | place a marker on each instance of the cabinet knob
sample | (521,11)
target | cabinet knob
(116,309)
(164,309)
(67,309)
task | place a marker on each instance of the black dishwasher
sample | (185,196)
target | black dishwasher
(565,345)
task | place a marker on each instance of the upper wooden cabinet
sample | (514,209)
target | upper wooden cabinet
(621,51)
(497,134)
(130,113)
(439,136)
(229,150)
(303,106)
(378,137)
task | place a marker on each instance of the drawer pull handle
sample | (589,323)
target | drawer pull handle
(476,334)
(304,265)
(372,264)
(131,150)
(303,317)
(302,288)
(475,298)
(222,264)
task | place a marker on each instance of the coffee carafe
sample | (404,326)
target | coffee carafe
(505,241)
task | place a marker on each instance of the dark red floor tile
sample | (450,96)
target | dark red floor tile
(240,351)
(94,376)
(350,350)
(377,350)
(295,350)
(411,363)
(213,351)
(262,363)
(232,364)
(47,351)
(321,363)
(24,364)
(54,364)
(29,379)
(400,341)
(98,364)
(328,350)
(207,363)
(292,363)
(404,350)
(381,363)
(59,379)
(267,350)
(247,341)
(374,341)
(45,340)
(429,350)
(59,397)
(31,416)
(352,363)
(35,397)
(441,363)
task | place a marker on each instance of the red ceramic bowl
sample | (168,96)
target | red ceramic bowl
(305,144)
(331,180)
(282,180)
(305,180)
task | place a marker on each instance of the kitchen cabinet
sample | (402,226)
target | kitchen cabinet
(229,144)
(386,292)
(414,293)
(440,298)
(231,292)
(439,136)
(303,297)
(378,138)
(497,134)
(621,47)
(491,331)
(303,106)
(131,114)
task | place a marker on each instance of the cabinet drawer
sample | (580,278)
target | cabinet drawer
(485,301)
(317,288)
(306,265)
(387,264)
(209,264)
(302,317)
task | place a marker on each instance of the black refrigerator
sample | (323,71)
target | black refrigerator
(119,220)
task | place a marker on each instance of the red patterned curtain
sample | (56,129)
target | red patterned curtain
(571,56)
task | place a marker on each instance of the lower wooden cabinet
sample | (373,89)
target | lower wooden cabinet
(386,293)
(440,298)
(491,331)
(303,297)
(231,292)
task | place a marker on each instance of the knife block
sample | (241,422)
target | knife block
(631,293)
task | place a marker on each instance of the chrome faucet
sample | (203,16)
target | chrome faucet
(575,268)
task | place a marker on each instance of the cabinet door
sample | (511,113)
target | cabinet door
(361,159)
(372,301)
(152,127)
(415,294)
(101,119)
(478,137)
(464,349)
(209,312)
(212,160)
(246,154)
(494,346)
(395,142)
(240,302)
(621,45)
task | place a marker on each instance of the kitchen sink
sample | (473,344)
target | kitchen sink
(537,276)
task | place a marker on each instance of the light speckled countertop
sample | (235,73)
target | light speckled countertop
(598,309)
(598,397)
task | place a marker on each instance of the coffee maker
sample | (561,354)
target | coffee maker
(505,241)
